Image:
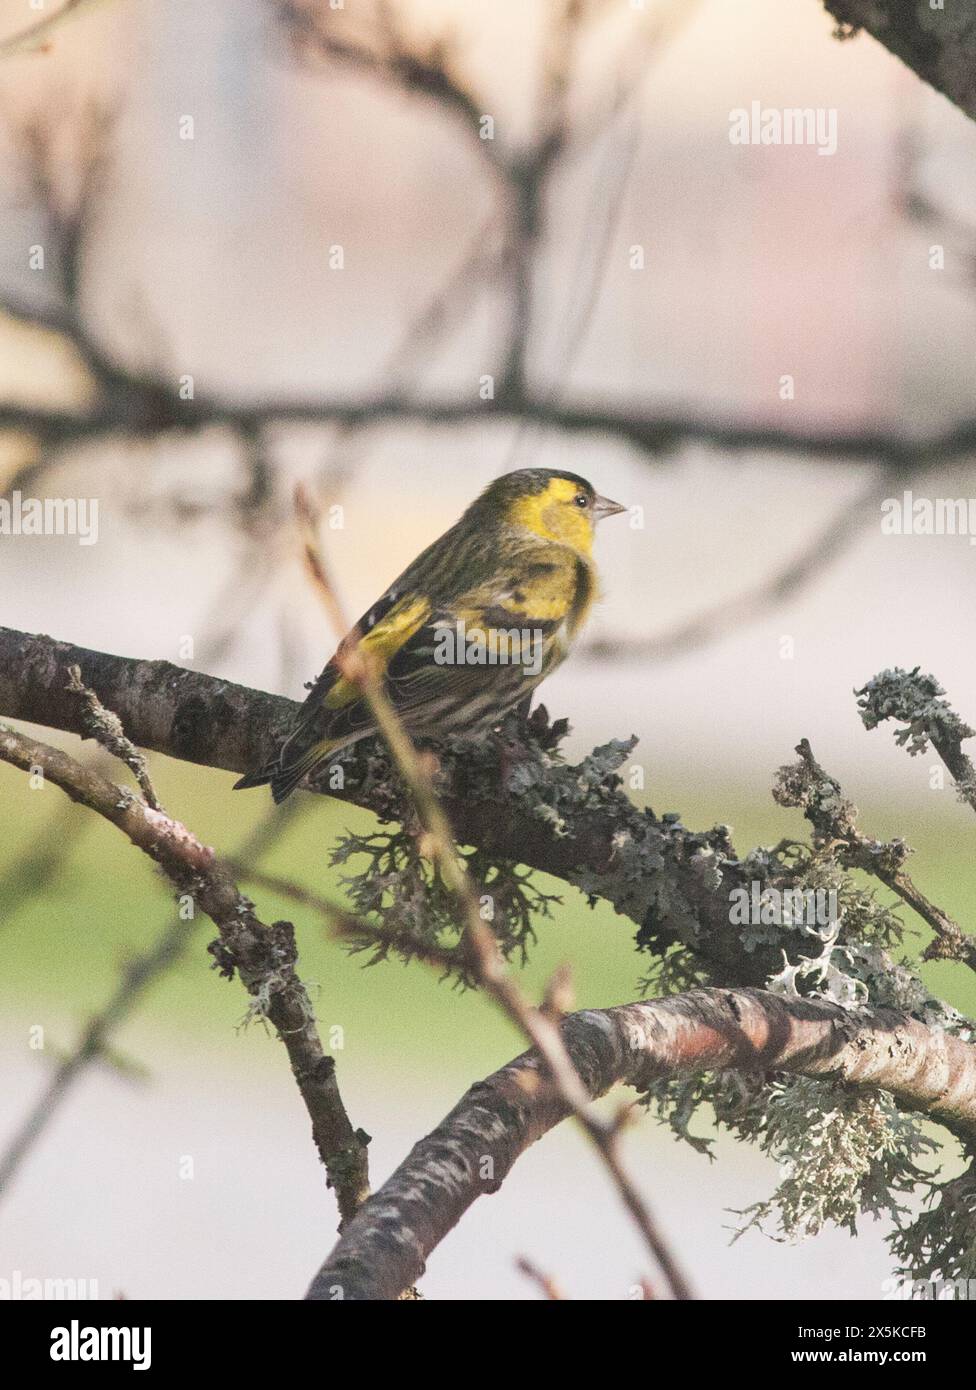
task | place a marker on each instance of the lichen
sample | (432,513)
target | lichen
(914,700)
(940,1244)
(841,1155)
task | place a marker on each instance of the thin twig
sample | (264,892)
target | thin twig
(545,1283)
(106,728)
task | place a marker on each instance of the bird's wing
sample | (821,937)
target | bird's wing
(479,652)
(334,707)
(457,580)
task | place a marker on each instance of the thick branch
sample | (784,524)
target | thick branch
(384,1248)
(938,44)
(654,871)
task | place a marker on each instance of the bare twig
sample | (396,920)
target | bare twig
(545,1283)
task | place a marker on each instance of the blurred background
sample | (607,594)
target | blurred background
(277,247)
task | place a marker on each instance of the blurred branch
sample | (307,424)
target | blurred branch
(144,409)
(126,401)
(40,864)
(840,532)
(170,946)
(384,1248)
(938,44)
(545,1283)
(143,404)
(264,957)
(319,34)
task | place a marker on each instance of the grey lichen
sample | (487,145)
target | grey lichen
(842,1155)
(914,700)
(940,1245)
(401,890)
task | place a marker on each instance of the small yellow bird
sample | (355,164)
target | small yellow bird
(469,629)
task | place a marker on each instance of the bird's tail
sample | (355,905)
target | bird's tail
(283,776)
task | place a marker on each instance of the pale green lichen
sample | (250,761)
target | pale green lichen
(841,1155)
(401,891)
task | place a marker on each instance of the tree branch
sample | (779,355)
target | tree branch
(653,870)
(264,957)
(834,821)
(939,45)
(141,409)
(385,1247)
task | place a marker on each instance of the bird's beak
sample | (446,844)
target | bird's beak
(602,506)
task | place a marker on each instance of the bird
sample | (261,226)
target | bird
(468,630)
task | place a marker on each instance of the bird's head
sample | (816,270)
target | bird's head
(553,505)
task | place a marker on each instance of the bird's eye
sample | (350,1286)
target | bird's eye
(581,499)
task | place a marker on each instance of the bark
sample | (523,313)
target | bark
(938,44)
(384,1248)
(651,870)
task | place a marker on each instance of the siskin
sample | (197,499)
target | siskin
(469,629)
